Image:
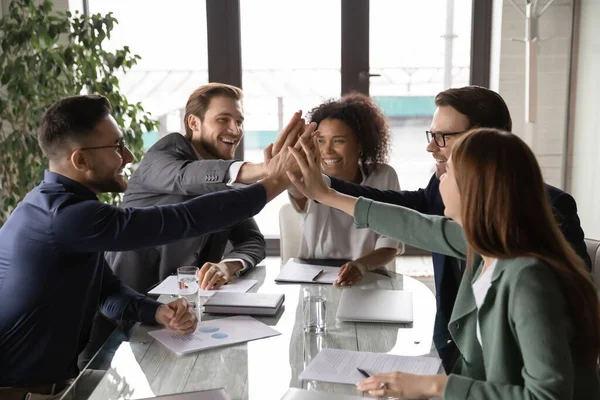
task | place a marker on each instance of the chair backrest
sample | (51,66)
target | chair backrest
(290,232)
(593,248)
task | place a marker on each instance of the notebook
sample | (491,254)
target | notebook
(297,272)
(244,303)
(375,305)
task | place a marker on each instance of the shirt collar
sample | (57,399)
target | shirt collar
(69,184)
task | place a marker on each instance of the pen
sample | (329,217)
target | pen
(317,275)
(363,372)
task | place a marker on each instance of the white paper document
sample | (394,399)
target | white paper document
(215,333)
(296,272)
(170,286)
(340,366)
(212,394)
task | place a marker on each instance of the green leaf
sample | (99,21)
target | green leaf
(36,70)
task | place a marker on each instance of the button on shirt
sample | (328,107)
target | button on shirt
(53,276)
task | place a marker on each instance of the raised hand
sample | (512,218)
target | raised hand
(283,161)
(289,135)
(310,181)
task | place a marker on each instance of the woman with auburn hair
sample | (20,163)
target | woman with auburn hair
(527,317)
(354,142)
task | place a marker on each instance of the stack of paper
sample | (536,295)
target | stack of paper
(170,286)
(215,333)
(340,366)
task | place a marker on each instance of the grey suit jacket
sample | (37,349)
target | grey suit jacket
(171,172)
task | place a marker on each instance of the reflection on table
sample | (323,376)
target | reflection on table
(264,369)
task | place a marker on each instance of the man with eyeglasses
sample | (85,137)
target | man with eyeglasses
(53,275)
(457,111)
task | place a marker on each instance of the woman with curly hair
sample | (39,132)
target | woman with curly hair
(354,143)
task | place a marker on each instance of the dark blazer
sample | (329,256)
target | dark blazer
(448,270)
(170,173)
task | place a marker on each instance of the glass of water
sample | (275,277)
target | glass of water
(187,281)
(315,308)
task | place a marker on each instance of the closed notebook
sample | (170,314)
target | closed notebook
(244,303)
(375,305)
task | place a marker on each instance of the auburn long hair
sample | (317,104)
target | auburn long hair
(506,213)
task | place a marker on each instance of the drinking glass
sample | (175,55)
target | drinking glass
(315,309)
(187,281)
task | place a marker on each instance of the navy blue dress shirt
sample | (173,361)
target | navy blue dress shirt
(53,276)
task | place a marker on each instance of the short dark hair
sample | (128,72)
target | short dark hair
(483,107)
(200,98)
(71,118)
(366,121)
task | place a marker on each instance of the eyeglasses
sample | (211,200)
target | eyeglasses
(119,146)
(439,138)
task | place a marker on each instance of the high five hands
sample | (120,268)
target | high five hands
(308,178)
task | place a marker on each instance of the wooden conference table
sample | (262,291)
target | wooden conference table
(264,369)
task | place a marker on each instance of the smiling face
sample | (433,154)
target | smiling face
(450,194)
(446,120)
(103,167)
(221,131)
(339,149)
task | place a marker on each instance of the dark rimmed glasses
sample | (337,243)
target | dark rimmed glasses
(119,146)
(440,138)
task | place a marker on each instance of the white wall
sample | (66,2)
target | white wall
(585,173)
(508,78)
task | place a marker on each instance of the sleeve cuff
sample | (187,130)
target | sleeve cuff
(234,170)
(245,265)
(457,387)
(147,311)
(361,212)
(386,242)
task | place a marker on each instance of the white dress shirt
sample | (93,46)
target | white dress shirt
(330,233)
(480,289)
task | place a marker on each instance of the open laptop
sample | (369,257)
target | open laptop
(375,305)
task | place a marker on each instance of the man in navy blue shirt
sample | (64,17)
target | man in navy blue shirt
(53,276)
(457,111)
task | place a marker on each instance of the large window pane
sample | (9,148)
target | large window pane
(291,61)
(171,39)
(408,49)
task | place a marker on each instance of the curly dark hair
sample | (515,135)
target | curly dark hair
(365,119)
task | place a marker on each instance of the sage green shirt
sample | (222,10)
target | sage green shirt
(527,350)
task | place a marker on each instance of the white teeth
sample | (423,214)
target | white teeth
(228,141)
(331,162)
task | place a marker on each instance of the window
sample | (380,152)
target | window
(171,40)
(418,48)
(291,61)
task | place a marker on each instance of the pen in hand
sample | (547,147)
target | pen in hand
(363,373)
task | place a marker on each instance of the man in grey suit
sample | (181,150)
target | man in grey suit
(178,167)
